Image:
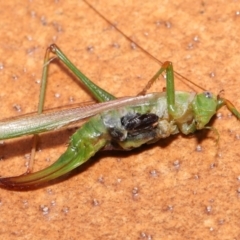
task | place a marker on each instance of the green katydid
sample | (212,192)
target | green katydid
(123,123)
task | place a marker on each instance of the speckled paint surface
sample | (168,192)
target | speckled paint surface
(179,188)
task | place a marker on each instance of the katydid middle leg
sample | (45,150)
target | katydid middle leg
(170,88)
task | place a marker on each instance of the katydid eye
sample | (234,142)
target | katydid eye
(208,94)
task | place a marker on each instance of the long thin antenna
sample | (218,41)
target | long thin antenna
(137,45)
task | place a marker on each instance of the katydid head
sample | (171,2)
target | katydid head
(204,107)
